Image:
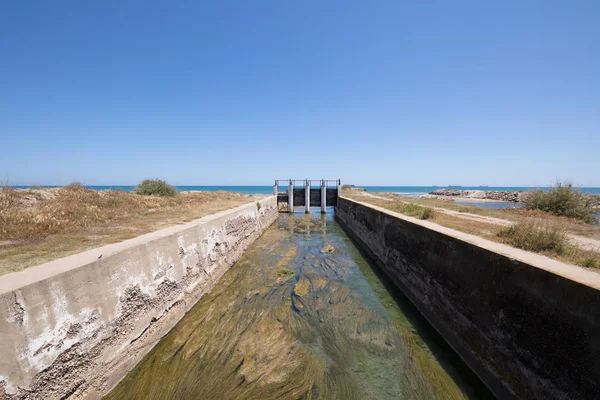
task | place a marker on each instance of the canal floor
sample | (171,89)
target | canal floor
(302,315)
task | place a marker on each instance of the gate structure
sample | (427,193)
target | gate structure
(306,193)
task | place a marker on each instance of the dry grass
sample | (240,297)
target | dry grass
(413,210)
(548,238)
(41,225)
(533,230)
(533,235)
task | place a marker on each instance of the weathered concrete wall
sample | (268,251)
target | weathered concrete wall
(74,327)
(529,326)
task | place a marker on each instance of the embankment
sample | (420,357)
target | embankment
(529,326)
(74,327)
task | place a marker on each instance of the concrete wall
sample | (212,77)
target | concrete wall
(529,326)
(74,327)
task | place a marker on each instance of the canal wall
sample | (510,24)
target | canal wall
(74,327)
(529,326)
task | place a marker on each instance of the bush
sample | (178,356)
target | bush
(8,201)
(155,187)
(75,186)
(590,262)
(561,199)
(536,236)
(414,210)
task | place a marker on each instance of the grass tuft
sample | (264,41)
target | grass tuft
(413,210)
(563,200)
(7,203)
(155,187)
(590,262)
(536,236)
(75,186)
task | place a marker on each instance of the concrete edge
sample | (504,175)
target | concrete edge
(569,271)
(20,279)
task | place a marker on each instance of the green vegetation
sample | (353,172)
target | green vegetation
(563,200)
(536,236)
(285,273)
(155,187)
(258,206)
(549,238)
(75,186)
(413,210)
(590,262)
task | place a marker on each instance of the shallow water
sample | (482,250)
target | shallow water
(335,329)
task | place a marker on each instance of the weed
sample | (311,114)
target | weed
(7,202)
(413,210)
(155,187)
(561,199)
(536,236)
(75,186)
(590,262)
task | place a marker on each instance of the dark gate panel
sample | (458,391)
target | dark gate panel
(299,197)
(282,197)
(331,197)
(315,197)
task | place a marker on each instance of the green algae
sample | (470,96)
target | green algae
(327,329)
(285,273)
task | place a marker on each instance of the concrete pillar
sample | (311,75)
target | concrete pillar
(323,196)
(275,189)
(291,196)
(307,196)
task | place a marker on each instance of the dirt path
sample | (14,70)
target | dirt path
(579,241)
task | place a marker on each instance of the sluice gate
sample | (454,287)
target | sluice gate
(306,193)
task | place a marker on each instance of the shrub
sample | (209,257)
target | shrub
(536,236)
(414,210)
(75,186)
(346,187)
(8,201)
(155,187)
(590,262)
(561,199)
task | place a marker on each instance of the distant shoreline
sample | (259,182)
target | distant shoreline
(268,189)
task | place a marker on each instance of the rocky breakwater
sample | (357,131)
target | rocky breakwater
(513,196)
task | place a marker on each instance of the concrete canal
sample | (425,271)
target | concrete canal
(302,314)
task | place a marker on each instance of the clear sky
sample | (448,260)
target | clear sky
(244,92)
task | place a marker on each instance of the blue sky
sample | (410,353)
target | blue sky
(236,92)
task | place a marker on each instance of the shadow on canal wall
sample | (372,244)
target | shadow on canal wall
(528,329)
(75,327)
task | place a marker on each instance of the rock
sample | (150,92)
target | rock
(512,196)
(301,287)
(327,249)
